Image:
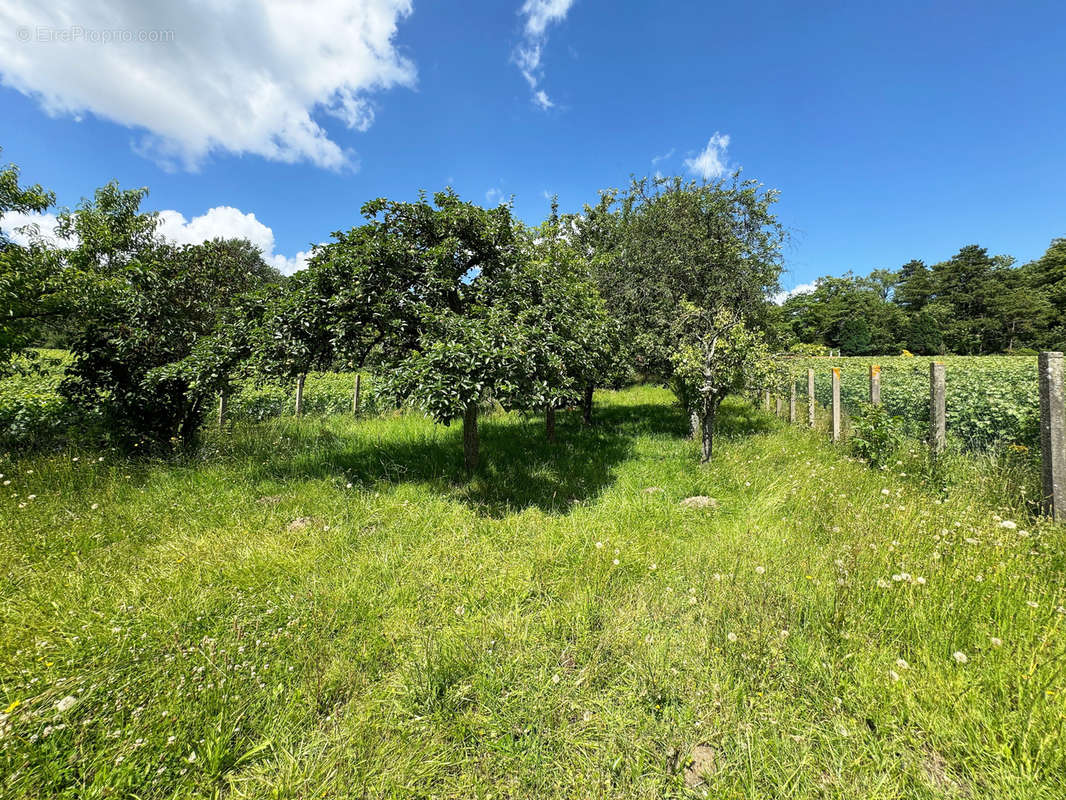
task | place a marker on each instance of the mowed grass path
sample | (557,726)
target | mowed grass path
(329,608)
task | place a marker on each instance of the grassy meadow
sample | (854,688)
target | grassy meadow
(330,608)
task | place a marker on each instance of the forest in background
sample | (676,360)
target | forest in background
(972,304)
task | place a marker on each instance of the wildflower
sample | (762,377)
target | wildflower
(171,739)
(692,601)
(555,678)
(760,569)
(902,664)
(599,545)
(1008,524)
(652,566)
(920,580)
(885,492)
(893,675)
(94,506)
(191,757)
(615,562)
(996,641)
(960,657)
(882,583)
(66,703)
(1032,603)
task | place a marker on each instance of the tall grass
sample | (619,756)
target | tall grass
(330,608)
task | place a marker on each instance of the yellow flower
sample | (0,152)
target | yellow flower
(12,707)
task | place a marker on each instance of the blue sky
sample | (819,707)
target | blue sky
(894,131)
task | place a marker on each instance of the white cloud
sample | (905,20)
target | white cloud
(539,15)
(13,222)
(664,157)
(494,196)
(712,162)
(803,288)
(220,76)
(224,222)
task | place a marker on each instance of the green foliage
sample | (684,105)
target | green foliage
(991,400)
(31,289)
(131,351)
(973,303)
(875,436)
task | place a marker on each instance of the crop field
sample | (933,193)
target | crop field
(329,607)
(991,400)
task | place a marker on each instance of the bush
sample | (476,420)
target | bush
(876,435)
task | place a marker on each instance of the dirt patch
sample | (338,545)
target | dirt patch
(699,501)
(653,490)
(936,774)
(700,763)
(270,499)
(300,524)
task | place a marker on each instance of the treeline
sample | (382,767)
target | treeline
(971,304)
(452,305)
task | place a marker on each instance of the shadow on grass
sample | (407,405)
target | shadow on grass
(519,468)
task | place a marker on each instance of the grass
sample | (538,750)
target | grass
(329,608)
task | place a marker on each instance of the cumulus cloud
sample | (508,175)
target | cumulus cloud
(220,222)
(539,15)
(204,77)
(226,222)
(712,162)
(22,228)
(803,288)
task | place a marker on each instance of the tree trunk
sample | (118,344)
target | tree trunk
(470,438)
(707,430)
(549,422)
(586,405)
(356,392)
(300,396)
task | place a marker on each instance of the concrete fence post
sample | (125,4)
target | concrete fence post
(766,400)
(1053,435)
(792,401)
(355,393)
(223,402)
(937,409)
(835,433)
(780,404)
(875,385)
(300,396)
(810,398)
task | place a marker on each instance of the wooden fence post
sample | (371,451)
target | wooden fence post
(780,404)
(355,393)
(1053,435)
(875,385)
(810,398)
(835,433)
(300,395)
(792,401)
(766,400)
(937,411)
(222,403)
